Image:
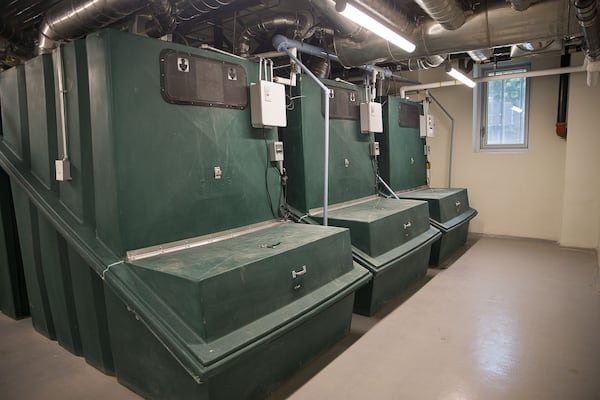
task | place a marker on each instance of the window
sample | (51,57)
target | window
(503,109)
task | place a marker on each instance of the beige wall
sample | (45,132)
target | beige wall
(598,247)
(518,194)
(581,204)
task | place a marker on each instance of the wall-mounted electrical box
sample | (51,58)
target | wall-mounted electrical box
(267,103)
(374,149)
(62,170)
(371,117)
(427,128)
(275,151)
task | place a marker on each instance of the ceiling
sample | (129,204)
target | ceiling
(475,30)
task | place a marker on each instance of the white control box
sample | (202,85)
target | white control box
(374,149)
(62,170)
(267,103)
(371,117)
(427,127)
(430,125)
(275,151)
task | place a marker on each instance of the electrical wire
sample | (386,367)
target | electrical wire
(267,166)
(281,205)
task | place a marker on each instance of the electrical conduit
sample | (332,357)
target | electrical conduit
(284,46)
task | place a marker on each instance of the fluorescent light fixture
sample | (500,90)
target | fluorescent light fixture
(517,109)
(370,23)
(459,76)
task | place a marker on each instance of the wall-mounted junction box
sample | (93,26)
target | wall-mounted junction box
(275,151)
(374,148)
(371,117)
(62,170)
(267,104)
(427,126)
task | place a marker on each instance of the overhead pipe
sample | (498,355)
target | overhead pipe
(302,47)
(74,18)
(520,5)
(563,98)
(282,46)
(190,9)
(341,24)
(270,24)
(495,24)
(384,11)
(164,14)
(529,74)
(426,62)
(481,55)
(283,41)
(320,67)
(390,14)
(587,15)
(448,13)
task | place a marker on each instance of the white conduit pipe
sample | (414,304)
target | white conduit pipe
(326,93)
(59,63)
(529,74)
(447,114)
(388,187)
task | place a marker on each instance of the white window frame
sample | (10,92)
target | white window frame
(480,109)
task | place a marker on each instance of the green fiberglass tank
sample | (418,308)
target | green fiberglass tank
(13,292)
(403,165)
(450,213)
(402,160)
(160,261)
(392,239)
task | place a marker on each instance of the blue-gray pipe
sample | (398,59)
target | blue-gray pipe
(283,46)
(280,41)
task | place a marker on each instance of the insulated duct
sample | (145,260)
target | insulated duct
(340,24)
(164,14)
(319,67)
(587,15)
(481,56)
(393,16)
(300,22)
(191,9)
(492,26)
(425,62)
(520,5)
(75,18)
(448,13)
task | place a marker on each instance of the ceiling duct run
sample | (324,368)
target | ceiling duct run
(75,18)
(301,22)
(493,24)
(481,56)
(448,13)
(587,15)
(192,9)
(384,11)
(520,5)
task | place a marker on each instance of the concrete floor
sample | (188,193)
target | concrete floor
(511,319)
